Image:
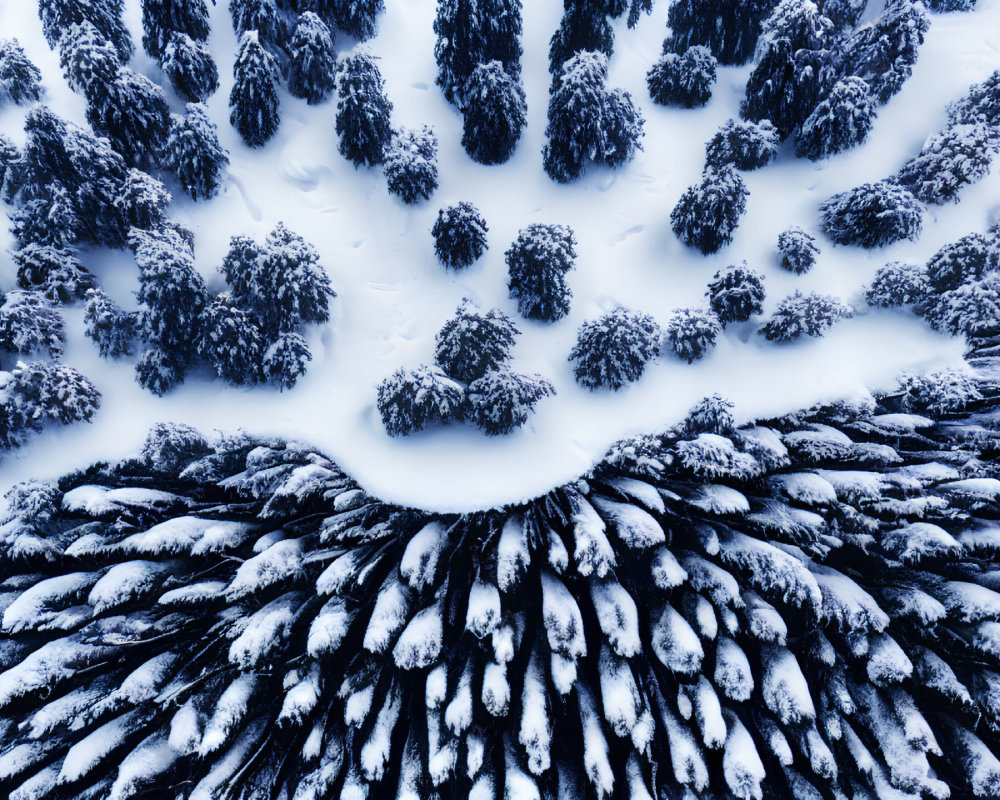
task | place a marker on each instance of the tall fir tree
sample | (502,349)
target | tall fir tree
(253,102)
(472,343)
(54,271)
(459,235)
(959,156)
(842,120)
(410,166)
(312,64)
(494,114)
(194,154)
(89,62)
(263,17)
(364,124)
(109,326)
(231,342)
(357,18)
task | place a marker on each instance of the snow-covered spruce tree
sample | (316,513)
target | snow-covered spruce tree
(843,13)
(898,284)
(161,19)
(883,53)
(972,309)
(143,201)
(691,333)
(584,28)
(253,102)
(132,113)
(190,67)
(712,414)
(108,325)
(159,370)
(587,121)
(708,213)
(962,261)
(842,120)
(58,16)
(8,155)
(364,113)
(231,341)
(357,18)
(804,315)
(980,105)
(37,394)
(736,293)
(312,66)
(30,324)
(193,153)
(797,249)
(55,272)
(410,165)
(263,17)
(20,80)
(872,215)
(471,343)
(89,61)
(459,235)
(683,80)
(286,359)
(958,156)
(537,263)
(729,30)
(501,401)
(614,349)
(494,114)
(743,145)
(411,400)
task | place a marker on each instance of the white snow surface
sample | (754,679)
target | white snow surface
(394,296)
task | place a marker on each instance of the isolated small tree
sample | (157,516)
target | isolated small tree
(231,342)
(55,272)
(194,154)
(898,284)
(980,105)
(708,213)
(972,309)
(313,64)
(501,401)
(357,18)
(872,215)
(494,114)
(743,145)
(736,293)
(459,235)
(159,370)
(730,30)
(809,315)
(537,263)
(110,327)
(614,349)
(411,400)
(253,102)
(161,19)
(690,333)
(957,157)
(363,111)
(842,120)
(30,323)
(584,27)
(684,79)
(286,359)
(411,164)
(471,343)
(797,249)
(962,261)
(20,80)
(190,67)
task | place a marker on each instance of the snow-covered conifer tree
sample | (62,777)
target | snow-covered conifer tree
(736,293)
(708,213)
(494,114)
(231,341)
(843,13)
(89,61)
(143,201)
(972,309)
(501,401)
(411,164)
(684,79)
(364,112)
(312,66)
(957,157)
(357,18)
(110,327)
(159,370)
(744,145)
(132,113)
(584,28)
(943,392)
(797,249)
(459,235)
(980,105)
(841,121)
(263,17)
(691,333)
(38,393)
(537,263)
(55,272)
(8,155)
(20,80)
(729,30)
(963,261)
(614,349)
(285,359)
(810,315)
(161,19)
(471,343)
(190,66)
(898,284)
(58,16)
(30,323)
(872,215)
(194,154)
(253,102)
(411,400)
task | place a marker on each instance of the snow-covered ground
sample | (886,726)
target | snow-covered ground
(394,296)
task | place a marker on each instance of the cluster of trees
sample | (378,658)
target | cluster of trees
(471,380)
(585,25)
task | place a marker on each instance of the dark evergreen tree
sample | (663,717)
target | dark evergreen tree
(89,62)
(8,155)
(959,156)
(231,342)
(501,401)
(58,16)
(713,414)
(637,7)
(744,145)
(587,121)
(357,18)
(736,293)
(40,393)
(143,201)
(471,344)
(194,154)
(263,17)
(972,309)
(898,284)
(798,250)
(729,30)
(459,235)
(842,120)
(537,263)
(285,359)
(872,215)
(843,13)
(313,64)
(159,370)
(810,315)
(614,349)
(29,323)
(363,111)
(584,28)
(411,164)
(109,326)
(684,79)
(494,114)
(691,333)
(708,213)
(980,105)
(161,19)
(132,113)
(55,272)
(190,67)
(20,80)
(411,400)
(963,261)
(253,102)
(241,269)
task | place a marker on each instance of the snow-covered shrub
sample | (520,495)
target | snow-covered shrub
(253,102)
(110,327)
(980,105)
(231,341)
(708,213)
(285,359)
(941,392)
(959,262)
(55,272)
(728,30)
(501,401)
(537,262)
(170,445)
(471,344)
(20,80)
(459,235)
(684,80)
(712,414)
(898,284)
(194,154)
(494,114)
(736,293)
(842,120)
(190,67)
(38,393)
(972,309)
(30,323)
(798,250)
(411,400)
(313,63)
(364,127)
(159,370)
(804,315)
(872,215)
(411,164)
(957,157)
(691,333)
(743,145)
(614,349)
